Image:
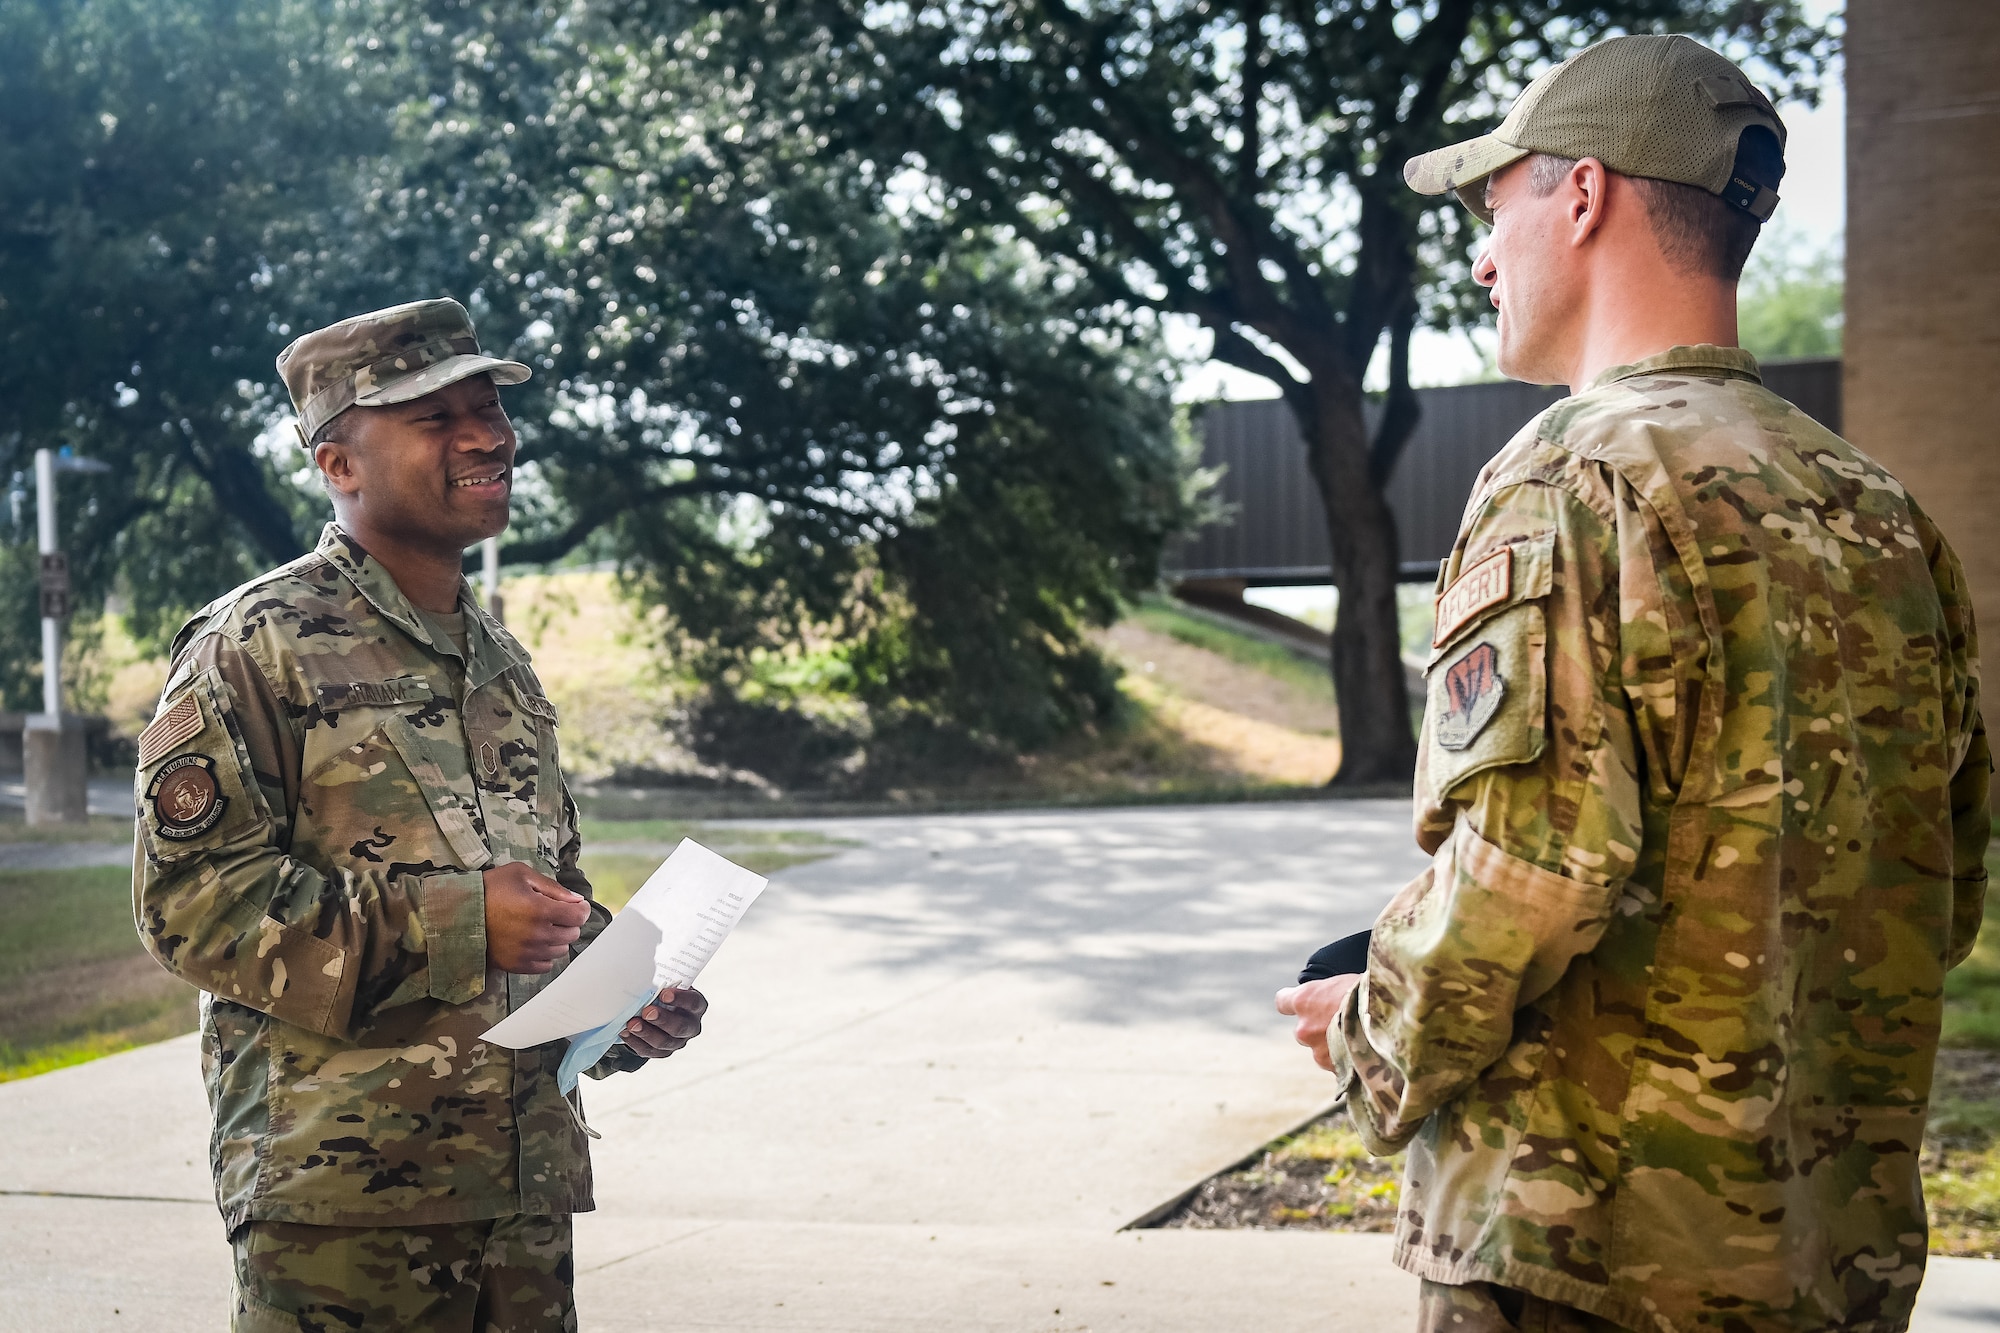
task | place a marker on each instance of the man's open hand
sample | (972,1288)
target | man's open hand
(664,1026)
(1316,1004)
(531,921)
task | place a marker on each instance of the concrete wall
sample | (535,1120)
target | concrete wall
(1922,347)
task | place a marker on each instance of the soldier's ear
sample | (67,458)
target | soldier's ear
(334,457)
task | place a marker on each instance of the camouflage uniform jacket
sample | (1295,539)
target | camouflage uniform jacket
(1704,781)
(319,791)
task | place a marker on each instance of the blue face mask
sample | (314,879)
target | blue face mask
(587,1048)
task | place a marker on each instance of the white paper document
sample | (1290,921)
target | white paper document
(663,937)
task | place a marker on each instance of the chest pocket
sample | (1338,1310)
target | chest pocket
(548,804)
(510,734)
(1487,678)
(425,731)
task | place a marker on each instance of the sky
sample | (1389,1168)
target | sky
(1813,202)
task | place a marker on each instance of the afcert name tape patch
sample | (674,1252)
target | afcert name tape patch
(1486,584)
(186,799)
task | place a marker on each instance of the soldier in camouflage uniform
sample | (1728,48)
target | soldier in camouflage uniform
(355,838)
(1703,776)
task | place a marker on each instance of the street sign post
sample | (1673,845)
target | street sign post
(57,769)
(55,586)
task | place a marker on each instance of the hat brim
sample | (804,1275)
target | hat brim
(1462,169)
(448,371)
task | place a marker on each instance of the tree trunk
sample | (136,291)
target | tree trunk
(237,481)
(1377,744)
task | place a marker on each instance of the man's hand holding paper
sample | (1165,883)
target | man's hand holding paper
(658,1030)
(531,920)
(635,982)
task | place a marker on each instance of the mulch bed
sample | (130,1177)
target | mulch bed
(1322,1179)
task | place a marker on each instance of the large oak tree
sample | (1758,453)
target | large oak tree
(792,407)
(1236,162)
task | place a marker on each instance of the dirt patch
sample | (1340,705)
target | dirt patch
(67,999)
(1967,1091)
(1207,678)
(1238,745)
(1242,721)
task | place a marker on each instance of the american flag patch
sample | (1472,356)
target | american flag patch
(180,721)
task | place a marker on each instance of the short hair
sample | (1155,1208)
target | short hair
(333,428)
(1699,232)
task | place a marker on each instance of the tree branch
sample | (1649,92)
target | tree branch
(1232,348)
(1401,409)
(542,550)
(1250,151)
(238,483)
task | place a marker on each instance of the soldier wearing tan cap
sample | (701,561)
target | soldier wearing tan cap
(1702,774)
(355,839)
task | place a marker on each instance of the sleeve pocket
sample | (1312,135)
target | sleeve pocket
(194,788)
(1488,698)
(1487,679)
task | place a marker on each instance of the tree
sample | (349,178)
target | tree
(163,177)
(1237,162)
(785,401)
(1791,300)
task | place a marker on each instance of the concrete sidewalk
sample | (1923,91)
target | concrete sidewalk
(104,795)
(941,1071)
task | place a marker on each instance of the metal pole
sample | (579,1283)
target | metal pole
(490,574)
(45,517)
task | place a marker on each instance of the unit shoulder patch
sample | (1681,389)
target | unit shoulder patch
(1473,692)
(185,796)
(1485,585)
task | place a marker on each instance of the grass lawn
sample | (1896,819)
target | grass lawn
(98,828)
(74,982)
(617,873)
(1962,1151)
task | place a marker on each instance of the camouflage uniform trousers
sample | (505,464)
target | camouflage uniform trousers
(496,1275)
(1482,1307)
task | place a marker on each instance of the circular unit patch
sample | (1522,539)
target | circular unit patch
(185,796)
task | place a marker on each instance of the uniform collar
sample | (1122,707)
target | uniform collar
(492,653)
(1704,358)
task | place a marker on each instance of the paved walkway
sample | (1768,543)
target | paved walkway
(103,795)
(942,1070)
(64,855)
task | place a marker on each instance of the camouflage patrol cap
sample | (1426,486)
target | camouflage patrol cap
(1662,107)
(385,356)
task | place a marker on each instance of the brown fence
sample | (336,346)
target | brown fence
(1274,530)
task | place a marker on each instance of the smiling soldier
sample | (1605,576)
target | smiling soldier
(1703,778)
(355,839)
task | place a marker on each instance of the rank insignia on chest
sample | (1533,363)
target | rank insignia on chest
(185,796)
(1473,691)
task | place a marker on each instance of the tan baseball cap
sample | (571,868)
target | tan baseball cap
(385,356)
(1664,107)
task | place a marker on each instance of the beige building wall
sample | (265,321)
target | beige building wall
(1922,346)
